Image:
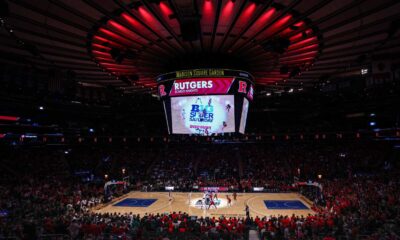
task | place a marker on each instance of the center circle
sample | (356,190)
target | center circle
(200,203)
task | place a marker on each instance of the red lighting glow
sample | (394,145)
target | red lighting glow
(303,43)
(249,11)
(244,18)
(262,21)
(115,36)
(207,8)
(131,20)
(104,40)
(227,11)
(9,118)
(98,53)
(146,15)
(165,9)
(237,28)
(124,31)
(276,26)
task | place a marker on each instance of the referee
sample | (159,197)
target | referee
(247,211)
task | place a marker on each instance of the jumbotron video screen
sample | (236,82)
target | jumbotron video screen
(206,101)
(203,114)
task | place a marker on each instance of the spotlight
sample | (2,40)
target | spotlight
(41,108)
(364,71)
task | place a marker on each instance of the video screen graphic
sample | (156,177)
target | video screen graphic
(203,115)
(243,118)
(200,86)
(206,102)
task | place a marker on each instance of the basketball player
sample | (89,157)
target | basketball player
(215,196)
(212,203)
(224,125)
(183,114)
(200,202)
(206,199)
(228,107)
(229,200)
(189,197)
(234,196)
(199,99)
(170,196)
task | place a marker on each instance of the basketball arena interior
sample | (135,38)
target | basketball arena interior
(199,119)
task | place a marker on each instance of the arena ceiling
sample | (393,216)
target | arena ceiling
(125,43)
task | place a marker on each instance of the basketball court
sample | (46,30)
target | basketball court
(260,204)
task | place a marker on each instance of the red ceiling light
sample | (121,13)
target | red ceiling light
(227,11)
(207,7)
(146,15)
(247,13)
(152,36)
(130,19)
(165,9)
(9,118)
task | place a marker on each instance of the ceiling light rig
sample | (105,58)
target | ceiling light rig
(145,40)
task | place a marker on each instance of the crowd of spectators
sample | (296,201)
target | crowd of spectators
(359,194)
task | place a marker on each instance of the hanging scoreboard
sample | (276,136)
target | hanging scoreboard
(206,101)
